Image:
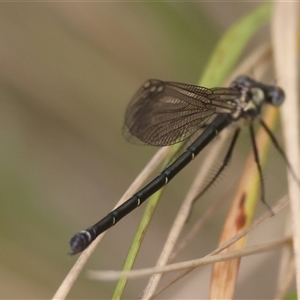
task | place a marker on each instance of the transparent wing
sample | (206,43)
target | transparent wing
(164,113)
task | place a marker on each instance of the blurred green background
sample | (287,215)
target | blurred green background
(67,73)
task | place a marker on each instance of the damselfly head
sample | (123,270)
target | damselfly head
(272,94)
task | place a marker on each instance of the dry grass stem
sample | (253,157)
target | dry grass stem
(285,40)
(70,279)
(263,247)
(276,208)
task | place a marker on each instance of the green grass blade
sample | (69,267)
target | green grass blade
(232,44)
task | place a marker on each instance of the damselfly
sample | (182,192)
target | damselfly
(163,113)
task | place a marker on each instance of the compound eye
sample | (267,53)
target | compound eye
(243,79)
(277,96)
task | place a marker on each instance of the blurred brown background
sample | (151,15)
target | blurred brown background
(67,73)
